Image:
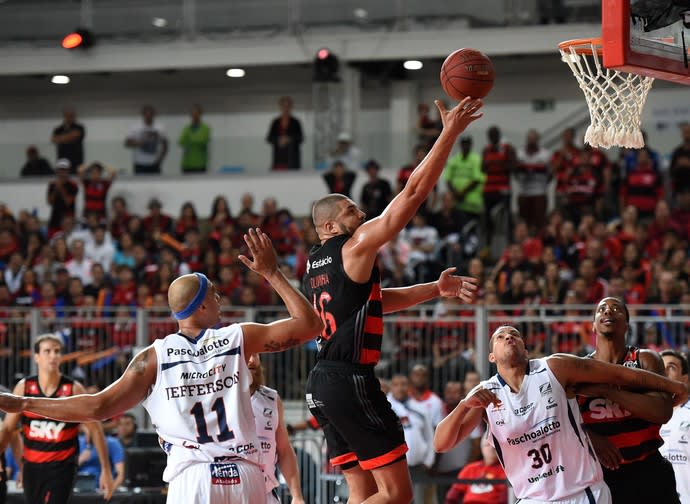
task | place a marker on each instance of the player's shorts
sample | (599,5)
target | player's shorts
(650,480)
(357,419)
(49,483)
(595,494)
(212,483)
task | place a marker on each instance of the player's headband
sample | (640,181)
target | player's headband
(196,300)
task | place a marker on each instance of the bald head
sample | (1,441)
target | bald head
(326,209)
(182,291)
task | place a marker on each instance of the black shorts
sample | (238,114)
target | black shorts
(357,419)
(648,481)
(49,483)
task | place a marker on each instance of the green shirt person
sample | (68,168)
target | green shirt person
(465,178)
(194,140)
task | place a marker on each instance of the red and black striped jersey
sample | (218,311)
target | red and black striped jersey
(352,312)
(48,440)
(496,165)
(95,195)
(635,438)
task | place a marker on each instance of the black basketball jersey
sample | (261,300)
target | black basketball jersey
(352,312)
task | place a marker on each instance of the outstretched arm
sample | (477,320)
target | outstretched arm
(655,407)
(128,391)
(463,419)
(304,323)
(399,298)
(571,370)
(106,483)
(287,460)
(371,235)
(8,426)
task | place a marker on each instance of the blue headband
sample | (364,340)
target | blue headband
(196,300)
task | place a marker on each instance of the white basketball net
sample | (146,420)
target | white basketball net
(615,99)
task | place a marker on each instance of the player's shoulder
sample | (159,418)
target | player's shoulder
(267,392)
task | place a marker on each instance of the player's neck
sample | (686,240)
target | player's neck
(48,381)
(513,374)
(610,349)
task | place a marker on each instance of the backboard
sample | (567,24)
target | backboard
(647,37)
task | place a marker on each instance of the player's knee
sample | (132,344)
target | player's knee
(398,492)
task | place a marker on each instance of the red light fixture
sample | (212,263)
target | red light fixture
(323,53)
(72,40)
(79,38)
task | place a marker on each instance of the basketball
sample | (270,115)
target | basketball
(467,72)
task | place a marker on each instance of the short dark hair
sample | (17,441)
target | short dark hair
(133,418)
(682,358)
(47,337)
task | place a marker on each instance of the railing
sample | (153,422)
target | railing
(449,339)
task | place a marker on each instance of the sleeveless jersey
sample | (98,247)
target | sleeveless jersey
(200,405)
(48,440)
(495,164)
(265,406)
(635,438)
(539,438)
(676,449)
(352,312)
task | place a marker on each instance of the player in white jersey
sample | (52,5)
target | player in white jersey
(535,426)
(273,436)
(195,386)
(676,432)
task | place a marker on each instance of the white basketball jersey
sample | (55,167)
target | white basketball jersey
(200,404)
(539,438)
(676,449)
(265,406)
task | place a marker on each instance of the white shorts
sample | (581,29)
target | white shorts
(218,483)
(595,494)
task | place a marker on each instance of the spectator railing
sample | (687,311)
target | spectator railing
(449,338)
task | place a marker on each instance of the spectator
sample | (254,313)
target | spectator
(347,152)
(423,240)
(100,249)
(14,271)
(35,166)
(69,139)
(582,188)
(124,255)
(680,163)
(421,394)
(340,179)
(127,430)
(62,194)
(89,464)
(119,216)
(498,163)
(480,493)
(418,154)
(533,174)
(464,177)
(642,186)
(79,266)
(563,162)
(99,288)
(148,142)
(194,140)
(418,432)
(428,130)
(285,135)
(247,206)
(156,221)
(96,179)
(188,220)
(376,192)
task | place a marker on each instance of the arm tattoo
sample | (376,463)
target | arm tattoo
(277,346)
(138,365)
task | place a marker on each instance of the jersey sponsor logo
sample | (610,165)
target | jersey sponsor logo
(198,375)
(533,435)
(523,410)
(265,446)
(551,403)
(268,412)
(201,389)
(190,446)
(602,408)
(545,388)
(676,457)
(243,449)
(208,347)
(321,262)
(225,474)
(45,429)
(554,470)
(500,422)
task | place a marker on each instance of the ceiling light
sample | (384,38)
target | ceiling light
(413,65)
(159,22)
(59,79)
(235,72)
(360,13)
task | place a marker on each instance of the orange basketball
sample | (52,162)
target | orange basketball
(467,72)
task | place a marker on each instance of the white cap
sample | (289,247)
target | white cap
(63,163)
(344,136)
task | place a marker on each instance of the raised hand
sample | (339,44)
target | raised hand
(460,116)
(462,287)
(264,260)
(479,397)
(609,456)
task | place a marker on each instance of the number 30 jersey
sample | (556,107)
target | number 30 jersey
(200,404)
(538,436)
(352,312)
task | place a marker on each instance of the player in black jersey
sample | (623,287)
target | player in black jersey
(363,434)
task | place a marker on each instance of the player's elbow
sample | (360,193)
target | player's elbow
(665,412)
(441,442)
(314,326)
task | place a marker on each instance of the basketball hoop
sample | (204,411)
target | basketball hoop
(615,99)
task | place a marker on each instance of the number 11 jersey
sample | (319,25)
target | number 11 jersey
(538,436)
(200,405)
